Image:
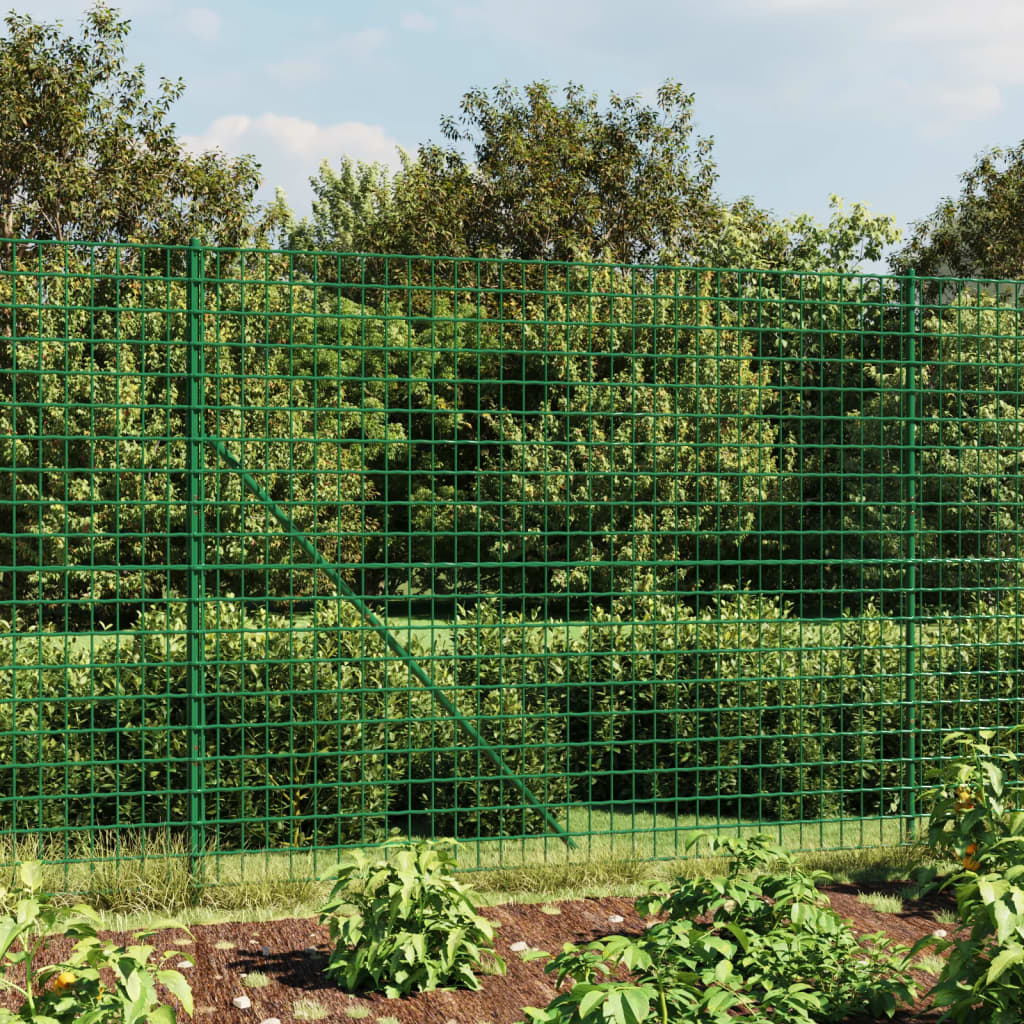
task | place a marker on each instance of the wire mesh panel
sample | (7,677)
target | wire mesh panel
(299,549)
(93,542)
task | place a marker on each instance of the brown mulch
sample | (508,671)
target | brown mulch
(291,953)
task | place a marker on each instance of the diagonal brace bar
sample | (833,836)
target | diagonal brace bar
(324,566)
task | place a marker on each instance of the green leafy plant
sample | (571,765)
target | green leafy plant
(404,923)
(72,990)
(773,950)
(976,818)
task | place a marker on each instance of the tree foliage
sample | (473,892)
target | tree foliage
(570,181)
(86,154)
(979,234)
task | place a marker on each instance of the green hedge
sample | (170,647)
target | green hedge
(320,734)
(589,433)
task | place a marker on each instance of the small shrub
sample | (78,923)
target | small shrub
(976,820)
(72,990)
(403,923)
(773,951)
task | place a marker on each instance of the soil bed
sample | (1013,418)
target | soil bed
(291,952)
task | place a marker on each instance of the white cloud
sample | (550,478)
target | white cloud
(300,71)
(950,19)
(537,22)
(224,133)
(917,17)
(297,137)
(71,12)
(941,110)
(291,149)
(783,7)
(416,22)
(972,101)
(940,64)
(362,44)
(202,23)
(322,60)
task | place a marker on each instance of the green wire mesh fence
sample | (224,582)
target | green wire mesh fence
(298,549)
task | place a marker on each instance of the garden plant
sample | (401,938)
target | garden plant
(73,991)
(977,819)
(402,923)
(771,950)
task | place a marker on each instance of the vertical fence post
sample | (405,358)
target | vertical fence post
(911,632)
(196,574)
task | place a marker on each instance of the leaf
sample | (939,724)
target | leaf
(591,999)
(9,932)
(533,954)
(723,971)
(176,983)
(995,777)
(31,874)
(991,888)
(720,946)
(739,934)
(627,1005)
(1006,958)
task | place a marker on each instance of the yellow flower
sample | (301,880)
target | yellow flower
(969,860)
(964,799)
(64,980)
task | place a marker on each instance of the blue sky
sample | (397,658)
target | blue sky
(881,101)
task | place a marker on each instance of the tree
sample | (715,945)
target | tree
(85,154)
(981,234)
(348,210)
(546,181)
(571,182)
(751,237)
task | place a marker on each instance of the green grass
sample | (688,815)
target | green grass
(930,962)
(256,979)
(434,634)
(309,1009)
(622,856)
(880,902)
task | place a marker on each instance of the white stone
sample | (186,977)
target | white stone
(519,947)
(271,1020)
(616,919)
(242,1002)
(183,964)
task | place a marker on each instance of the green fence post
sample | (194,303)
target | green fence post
(910,561)
(194,603)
